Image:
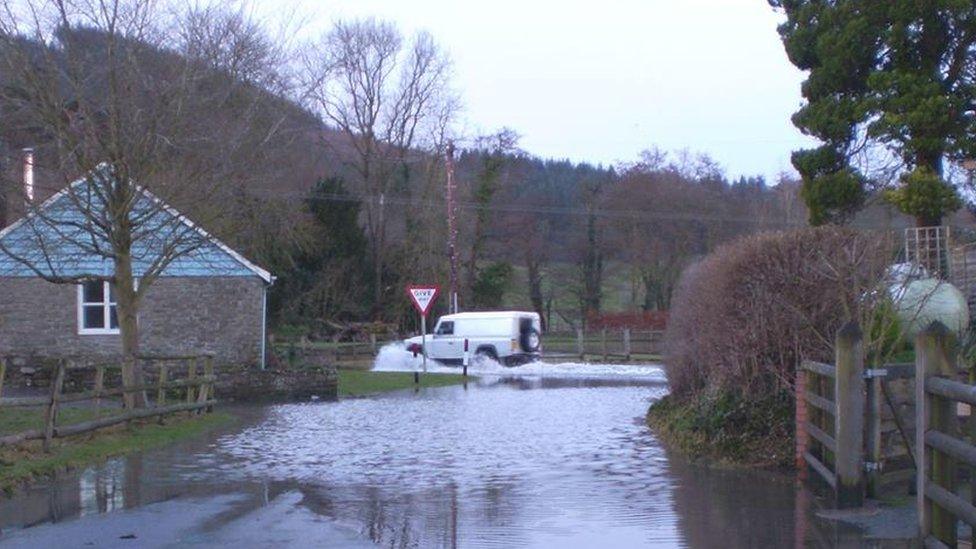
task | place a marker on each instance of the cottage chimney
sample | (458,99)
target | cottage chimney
(29,174)
(3,186)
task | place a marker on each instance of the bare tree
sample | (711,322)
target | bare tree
(657,246)
(389,98)
(144,106)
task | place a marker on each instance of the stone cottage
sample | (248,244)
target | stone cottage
(209,299)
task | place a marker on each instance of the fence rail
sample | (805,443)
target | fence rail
(199,391)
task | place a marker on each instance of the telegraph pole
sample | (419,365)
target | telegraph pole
(451,228)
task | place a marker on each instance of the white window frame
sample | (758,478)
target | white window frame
(107,307)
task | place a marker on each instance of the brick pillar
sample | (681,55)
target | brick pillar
(802,438)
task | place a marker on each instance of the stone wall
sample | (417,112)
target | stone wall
(179,315)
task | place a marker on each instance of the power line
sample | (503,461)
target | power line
(546,210)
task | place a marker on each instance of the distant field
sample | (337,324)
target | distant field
(620,289)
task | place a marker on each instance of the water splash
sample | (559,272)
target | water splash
(394,357)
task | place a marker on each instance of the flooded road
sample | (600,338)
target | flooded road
(545,456)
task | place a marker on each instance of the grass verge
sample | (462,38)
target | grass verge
(28,462)
(15,420)
(360,383)
(728,428)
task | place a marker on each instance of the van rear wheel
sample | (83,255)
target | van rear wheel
(484,353)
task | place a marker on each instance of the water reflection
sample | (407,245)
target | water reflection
(514,461)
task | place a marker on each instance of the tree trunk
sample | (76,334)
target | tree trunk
(592,269)
(127,309)
(932,160)
(378,263)
(535,290)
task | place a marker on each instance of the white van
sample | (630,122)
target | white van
(510,337)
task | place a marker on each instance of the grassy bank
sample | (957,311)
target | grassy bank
(727,428)
(15,420)
(359,382)
(28,462)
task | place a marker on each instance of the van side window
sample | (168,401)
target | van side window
(446,328)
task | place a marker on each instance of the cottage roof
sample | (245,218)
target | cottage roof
(58,240)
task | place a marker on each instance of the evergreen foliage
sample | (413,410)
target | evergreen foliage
(896,73)
(924,195)
(489,288)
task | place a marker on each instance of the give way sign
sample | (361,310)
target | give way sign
(423,297)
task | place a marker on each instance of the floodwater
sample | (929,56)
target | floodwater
(536,456)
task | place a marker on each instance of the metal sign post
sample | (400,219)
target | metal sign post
(423,298)
(423,338)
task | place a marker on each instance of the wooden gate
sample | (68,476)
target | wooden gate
(850,426)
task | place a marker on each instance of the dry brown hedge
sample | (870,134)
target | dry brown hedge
(742,318)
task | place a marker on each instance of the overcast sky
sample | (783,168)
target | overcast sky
(602,80)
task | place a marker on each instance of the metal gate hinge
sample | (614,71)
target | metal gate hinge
(876,372)
(871,466)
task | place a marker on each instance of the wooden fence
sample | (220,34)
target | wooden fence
(940,446)
(606,344)
(337,352)
(198,396)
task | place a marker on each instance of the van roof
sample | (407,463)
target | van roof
(489,314)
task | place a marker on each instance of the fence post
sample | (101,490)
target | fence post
(802,438)
(99,387)
(873,434)
(3,373)
(191,376)
(849,422)
(933,354)
(580,350)
(603,341)
(627,344)
(51,417)
(212,386)
(161,385)
(206,387)
(372,343)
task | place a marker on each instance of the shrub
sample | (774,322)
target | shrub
(743,317)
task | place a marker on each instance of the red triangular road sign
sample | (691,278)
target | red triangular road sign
(423,297)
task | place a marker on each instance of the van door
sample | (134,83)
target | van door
(444,342)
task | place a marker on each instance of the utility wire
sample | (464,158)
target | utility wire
(645,215)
